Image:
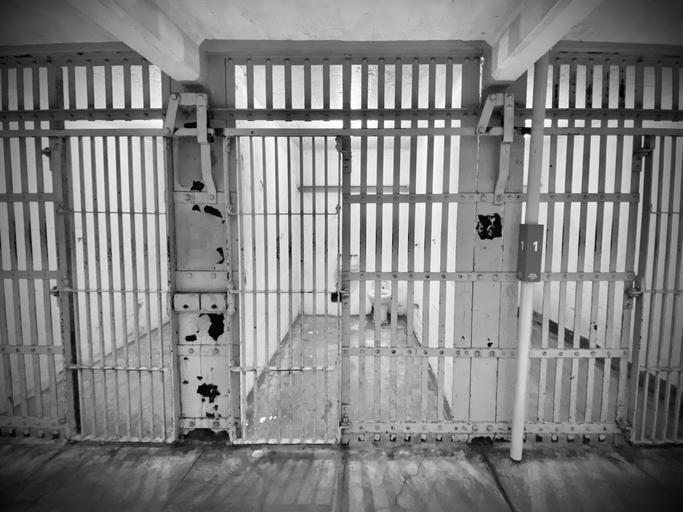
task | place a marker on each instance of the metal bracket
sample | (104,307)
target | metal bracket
(199,101)
(492,101)
(508,137)
(641,151)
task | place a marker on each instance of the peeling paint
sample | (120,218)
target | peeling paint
(213,211)
(209,391)
(195,208)
(197,185)
(222,253)
(217,327)
(489,226)
(191,337)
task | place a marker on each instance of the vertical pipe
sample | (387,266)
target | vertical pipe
(526,295)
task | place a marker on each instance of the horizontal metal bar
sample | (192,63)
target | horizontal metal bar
(192,349)
(31,349)
(484,276)
(85,132)
(592,353)
(590,198)
(468,197)
(263,114)
(108,212)
(246,369)
(430,276)
(27,198)
(658,369)
(231,210)
(119,368)
(588,131)
(246,292)
(281,441)
(581,276)
(122,438)
(354,132)
(28,422)
(95,290)
(675,292)
(110,114)
(473,352)
(334,189)
(635,114)
(29,274)
(464,352)
(481,427)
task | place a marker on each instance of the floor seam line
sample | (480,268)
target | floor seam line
(496,478)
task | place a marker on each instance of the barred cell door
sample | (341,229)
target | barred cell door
(285,209)
(657,360)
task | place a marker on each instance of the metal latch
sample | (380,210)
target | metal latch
(640,152)
(634,292)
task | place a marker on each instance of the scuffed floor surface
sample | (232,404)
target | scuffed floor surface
(40,475)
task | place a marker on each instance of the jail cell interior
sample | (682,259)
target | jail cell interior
(85,336)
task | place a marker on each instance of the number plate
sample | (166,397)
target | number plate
(530,251)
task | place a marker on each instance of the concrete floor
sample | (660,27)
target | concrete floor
(42,475)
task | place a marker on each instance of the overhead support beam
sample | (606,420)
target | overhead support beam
(537,27)
(148,30)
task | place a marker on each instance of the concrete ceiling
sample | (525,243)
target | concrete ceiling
(169,32)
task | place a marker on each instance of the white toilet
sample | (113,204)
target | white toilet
(384,299)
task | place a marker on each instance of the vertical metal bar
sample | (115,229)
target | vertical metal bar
(676,333)
(526,288)
(581,260)
(314,295)
(122,278)
(127,84)
(653,352)
(363,254)
(144,177)
(412,189)
(266,296)
(307,84)
(326,84)
(15,301)
(288,84)
(146,103)
(108,85)
(254,283)
(111,302)
(157,188)
(290,262)
(278,266)
(610,335)
(345,372)
(243,238)
(464,249)
(59,165)
(444,241)
(549,250)
(135,277)
(379,231)
(269,87)
(71,70)
(427,262)
(250,84)
(564,264)
(326,267)
(45,265)
(623,408)
(666,284)
(394,387)
(302,288)
(90,85)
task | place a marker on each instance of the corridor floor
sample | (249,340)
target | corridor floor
(46,475)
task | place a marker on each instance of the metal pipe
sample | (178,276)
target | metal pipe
(526,294)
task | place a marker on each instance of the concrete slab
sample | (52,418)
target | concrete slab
(52,475)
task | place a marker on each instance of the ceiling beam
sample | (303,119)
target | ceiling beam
(536,28)
(148,30)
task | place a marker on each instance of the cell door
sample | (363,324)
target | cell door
(285,208)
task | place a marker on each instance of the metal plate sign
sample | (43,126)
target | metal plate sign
(529,252)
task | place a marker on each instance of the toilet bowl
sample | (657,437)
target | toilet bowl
(384,299)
